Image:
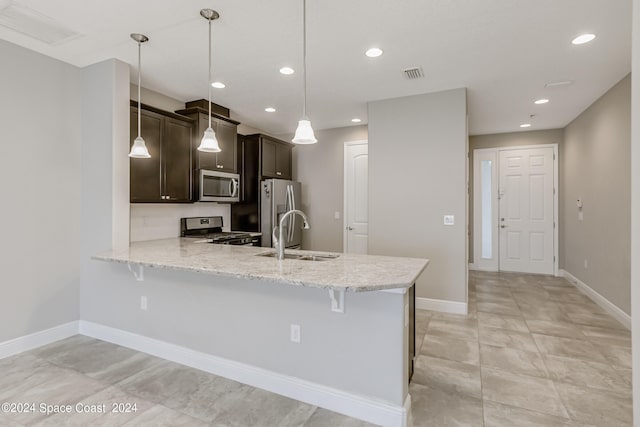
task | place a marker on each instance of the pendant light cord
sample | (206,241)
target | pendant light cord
(304,58)
(209,73)
(139,78)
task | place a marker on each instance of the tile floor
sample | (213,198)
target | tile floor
(533,351)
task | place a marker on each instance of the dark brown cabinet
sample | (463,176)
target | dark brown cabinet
(276,158)
(259,157)
(166,177)
(226,133)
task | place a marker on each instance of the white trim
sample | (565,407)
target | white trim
(38,339)
(344,189)
(453,307)
(353,405)
(472,266)
(606,305)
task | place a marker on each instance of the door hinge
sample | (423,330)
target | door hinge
(554,225)
(554,156)
(554,258)
(554,191)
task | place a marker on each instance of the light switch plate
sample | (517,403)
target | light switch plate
(336,215)
(449,220)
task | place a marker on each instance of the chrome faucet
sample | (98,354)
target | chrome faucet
(278,241)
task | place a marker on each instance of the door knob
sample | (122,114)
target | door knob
(503,226)
(349,228)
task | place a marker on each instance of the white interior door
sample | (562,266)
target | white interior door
(526,212)
(356,180)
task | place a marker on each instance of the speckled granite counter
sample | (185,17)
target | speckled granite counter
(350,272)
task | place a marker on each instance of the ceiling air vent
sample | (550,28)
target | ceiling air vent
(413,73)
(34,24)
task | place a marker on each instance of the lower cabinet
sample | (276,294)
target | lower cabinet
(165,177)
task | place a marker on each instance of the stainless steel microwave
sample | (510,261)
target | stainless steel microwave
(219,186)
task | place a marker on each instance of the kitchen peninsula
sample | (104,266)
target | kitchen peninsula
(330,331)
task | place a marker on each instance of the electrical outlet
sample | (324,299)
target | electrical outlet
(449,220)
(336,215)
(295,333)
(143,303)
(586,264)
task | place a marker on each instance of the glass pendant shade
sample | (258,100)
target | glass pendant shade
(139,149)
(209,142)
(304,133)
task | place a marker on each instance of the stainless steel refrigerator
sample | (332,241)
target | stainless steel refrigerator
(278,196)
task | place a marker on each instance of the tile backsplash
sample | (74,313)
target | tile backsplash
(151,221)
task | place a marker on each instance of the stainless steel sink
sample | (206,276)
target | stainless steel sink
(310,257)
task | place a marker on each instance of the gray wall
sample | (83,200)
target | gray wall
(417,174)
(554,136)
(40,135)
(596,169)
(320,168)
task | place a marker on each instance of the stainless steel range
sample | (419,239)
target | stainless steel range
(209,229)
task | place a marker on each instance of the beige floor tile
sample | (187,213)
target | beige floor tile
(618,356)
(465,329)
(323,418)
(500,321)
(587,374)
(498,415)
(557,329)
(447,375)
(595,406)
(507,338)
(594,319)
(451,349)
(605,336)
(568,347)
(522,391)
(159,416)
(509,309)
(119,409)
(513,360)
(547,311)
(586,308)
(432,407)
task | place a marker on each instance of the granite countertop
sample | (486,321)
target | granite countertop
(349,272)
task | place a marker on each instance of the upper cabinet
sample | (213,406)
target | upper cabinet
(276,158)
(165,177)
(226,132)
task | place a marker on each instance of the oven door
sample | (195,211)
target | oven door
(219,186)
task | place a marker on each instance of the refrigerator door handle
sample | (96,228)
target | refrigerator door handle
(292,206)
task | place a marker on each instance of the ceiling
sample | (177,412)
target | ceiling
(502,51)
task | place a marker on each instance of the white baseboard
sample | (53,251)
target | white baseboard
(443,306)
(38,339)
(606,305)
(353,405)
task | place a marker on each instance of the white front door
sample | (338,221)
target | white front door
(526,212)
(356,187)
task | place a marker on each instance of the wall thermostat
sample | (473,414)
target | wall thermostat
(579,203)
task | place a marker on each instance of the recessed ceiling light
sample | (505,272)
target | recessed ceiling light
(287,70)
(270,110)
(583,38)
(218,85)
(541,101)
(356,120)
(525,125)
(374,52)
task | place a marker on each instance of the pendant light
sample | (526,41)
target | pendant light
(139,148)
(209,142)
(304,132)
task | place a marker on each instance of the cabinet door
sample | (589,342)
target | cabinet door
(269,158)
(226,134)
(205,160)
(145,175)
(283,161)
(176,153)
